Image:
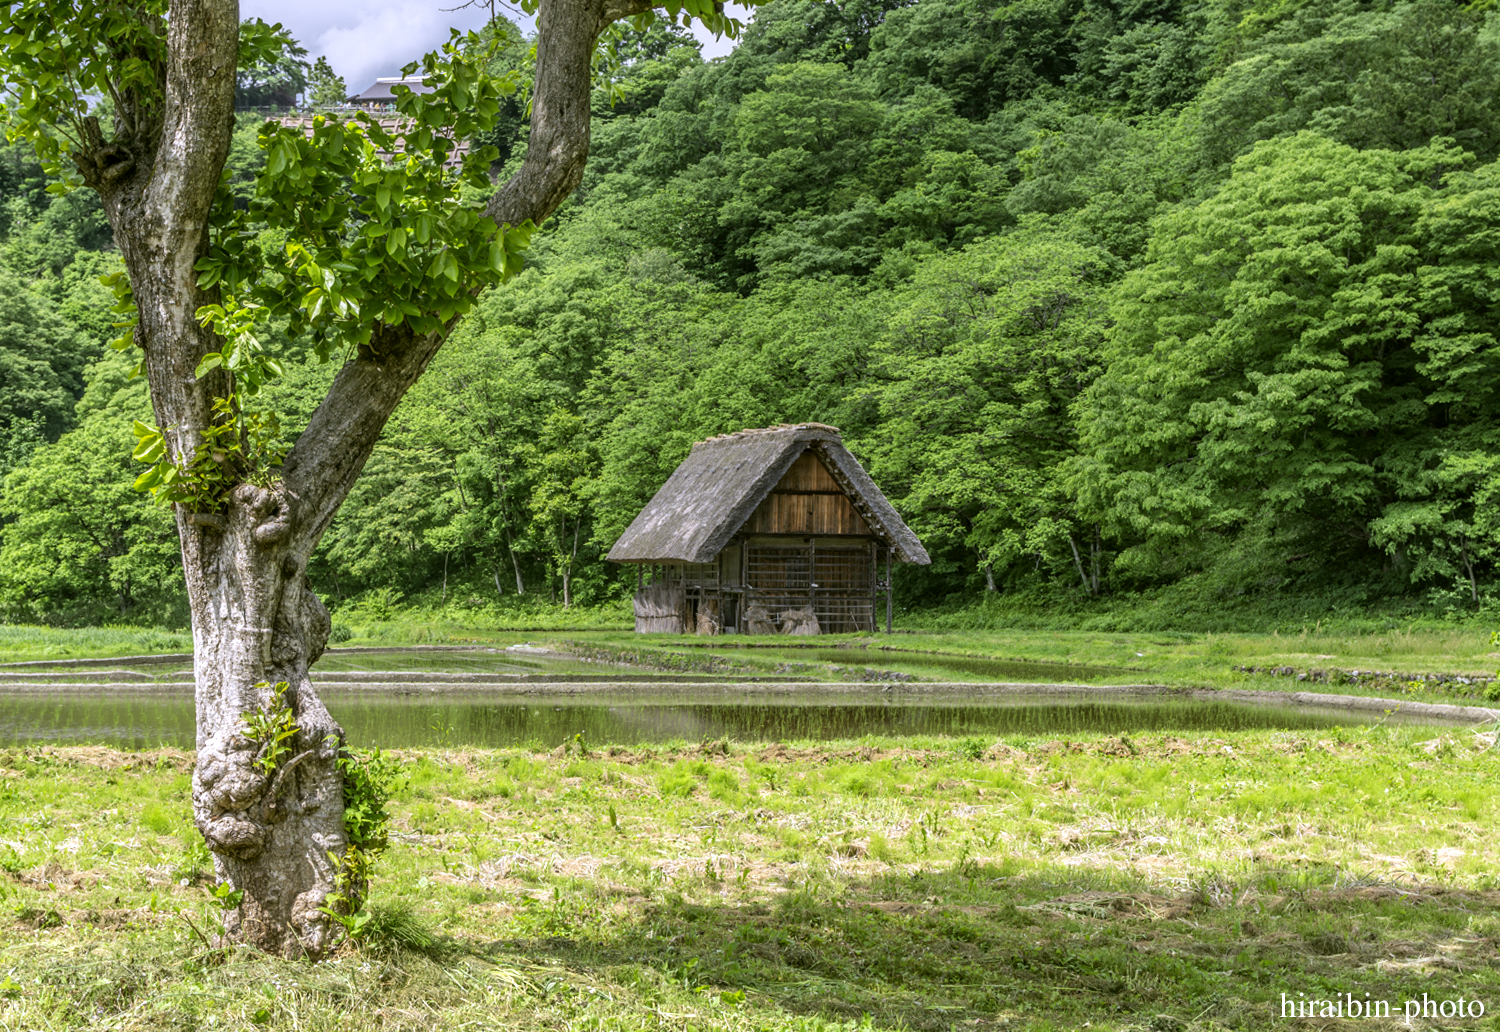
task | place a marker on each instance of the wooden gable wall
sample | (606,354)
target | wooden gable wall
(807,501)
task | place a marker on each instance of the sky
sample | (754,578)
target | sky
(375,38)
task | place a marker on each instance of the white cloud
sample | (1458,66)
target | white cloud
(719,47)
(376,37)
(367,40)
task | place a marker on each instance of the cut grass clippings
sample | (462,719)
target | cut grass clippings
(1158,881)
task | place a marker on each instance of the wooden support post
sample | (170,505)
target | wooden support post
(812,570)
(874,584)
(890,591)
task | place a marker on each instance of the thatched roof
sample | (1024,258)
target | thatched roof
(723,479)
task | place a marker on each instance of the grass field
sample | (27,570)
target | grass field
(1157,882)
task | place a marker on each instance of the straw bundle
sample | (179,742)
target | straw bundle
(757,620)
(659,609)
(800,621)
(708,617)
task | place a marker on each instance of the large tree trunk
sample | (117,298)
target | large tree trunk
(274,833)
(277,834)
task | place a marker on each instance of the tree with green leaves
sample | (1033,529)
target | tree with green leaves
(1308,359)
(79,545)
(565,466)
(1387,76)
(324,88)
(369,259)
(278,74)
(981,362)
(42,358)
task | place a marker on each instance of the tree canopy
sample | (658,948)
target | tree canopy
(1108,297)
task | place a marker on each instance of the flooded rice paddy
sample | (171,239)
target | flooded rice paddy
(528,697)
(139,720)
(929,665)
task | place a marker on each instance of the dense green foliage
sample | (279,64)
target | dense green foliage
(274,81)
(1110,297)
(324,88)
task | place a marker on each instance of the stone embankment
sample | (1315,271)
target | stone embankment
(1473,686)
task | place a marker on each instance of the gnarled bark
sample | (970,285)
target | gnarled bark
(277,834)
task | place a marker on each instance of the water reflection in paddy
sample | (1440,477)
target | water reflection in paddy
(139,720)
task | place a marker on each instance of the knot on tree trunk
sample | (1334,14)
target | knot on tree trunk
(267,796)
(302,631)
(312,934)
(272,532)
(269,511)
(99,163)
(313,928)
(227,786)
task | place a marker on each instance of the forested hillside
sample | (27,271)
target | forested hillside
(1111,297)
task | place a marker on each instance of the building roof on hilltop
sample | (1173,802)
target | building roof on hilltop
(722,481)
(381,92)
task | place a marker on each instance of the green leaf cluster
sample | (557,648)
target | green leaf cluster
(272,726)
(371,778)
(417,250)
(59,58)
(239,447)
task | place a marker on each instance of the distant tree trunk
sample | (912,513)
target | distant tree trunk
(1078,563)
(256,621)
(514,562)
(1097,549)
(567,567)
(989,576)
(1468,561)
(1089,576)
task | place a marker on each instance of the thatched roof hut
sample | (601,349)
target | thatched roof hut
(777,526)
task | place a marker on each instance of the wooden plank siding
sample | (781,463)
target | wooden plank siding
(807,501)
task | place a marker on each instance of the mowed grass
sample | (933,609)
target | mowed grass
(1150,882)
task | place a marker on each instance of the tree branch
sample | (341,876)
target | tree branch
(329,455)
(198,119)
(159,208)
(331,452)
(559,142)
